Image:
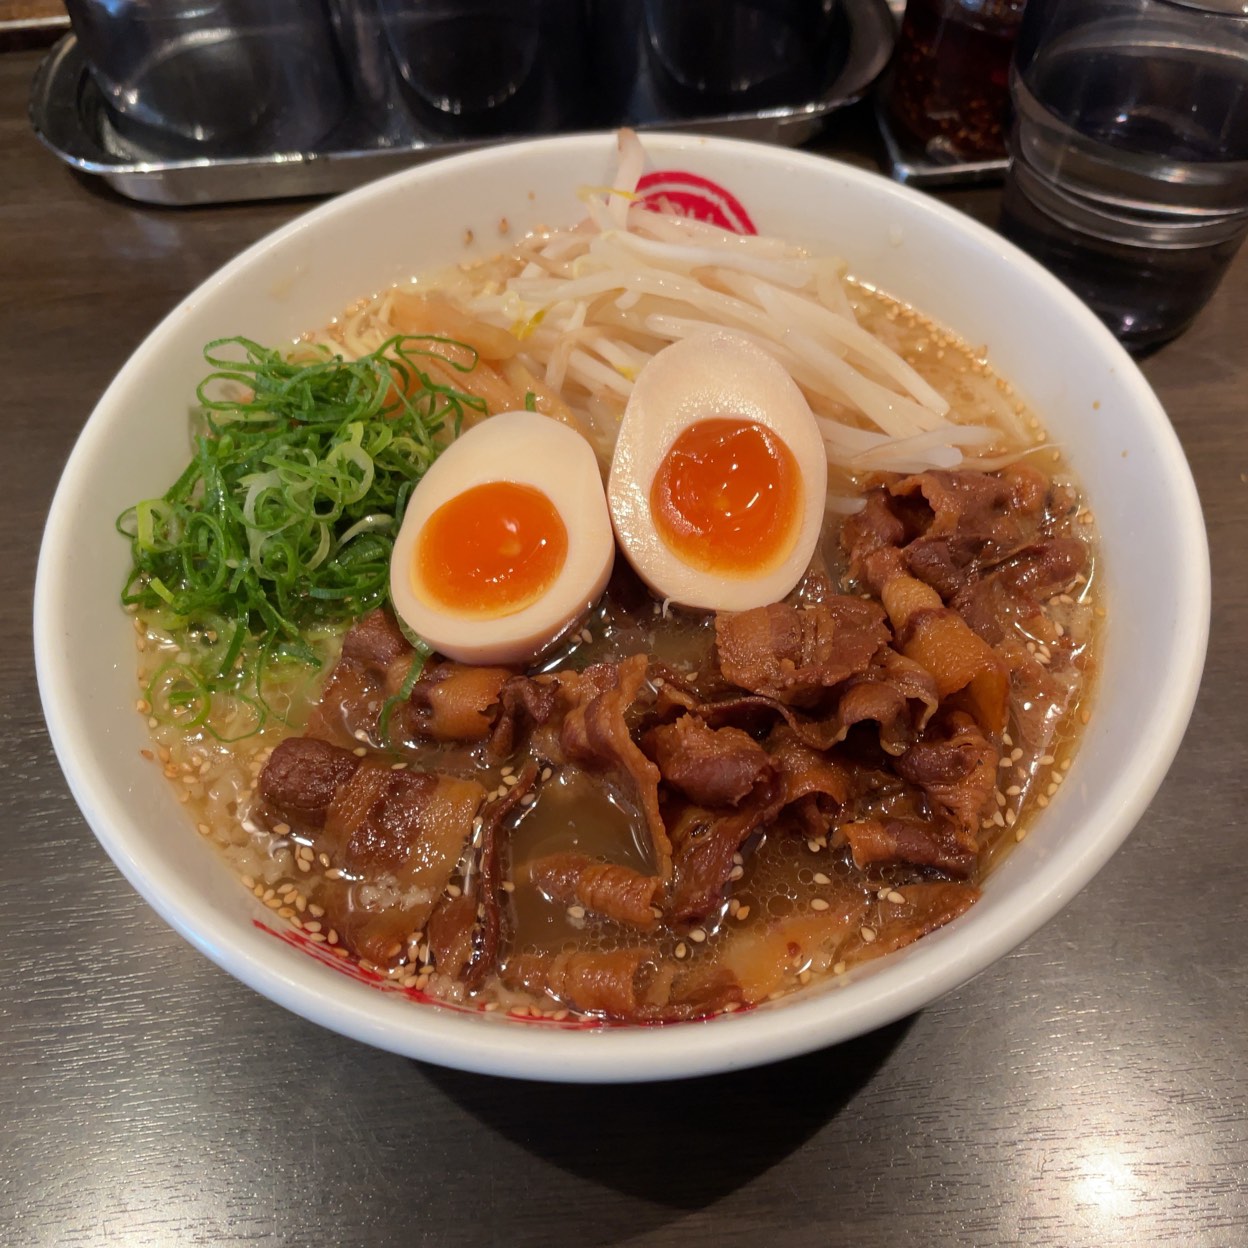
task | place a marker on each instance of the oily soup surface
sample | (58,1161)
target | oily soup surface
(671,815)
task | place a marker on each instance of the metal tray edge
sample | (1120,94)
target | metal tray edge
(56,115)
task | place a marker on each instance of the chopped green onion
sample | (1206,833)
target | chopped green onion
(284,520)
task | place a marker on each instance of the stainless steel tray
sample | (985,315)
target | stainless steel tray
(917,169)
(69,116)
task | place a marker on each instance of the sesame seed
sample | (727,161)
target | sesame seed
(1066,764)
(867,934)
(999,819)
(895,897)
(509,886)
(528,799)
(1016,754)
(546,774)
(838,968)
(314,925)
(281,829)
(820,878)
(697,935)
(681,950)
(359,751)
(818,904)
(804,977)
(1010,817)
(576,912)
(454,890)
(813,846)
(1046,760)
(1042,801)
(506,771)
(743,913)
(999,797)
(736,873)
(1013,791)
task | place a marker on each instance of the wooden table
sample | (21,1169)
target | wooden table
(1089,1089)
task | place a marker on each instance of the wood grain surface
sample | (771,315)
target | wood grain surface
(1089,1089)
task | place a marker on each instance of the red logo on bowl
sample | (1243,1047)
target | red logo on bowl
(688,195)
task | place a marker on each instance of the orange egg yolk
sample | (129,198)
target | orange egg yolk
(727,497)
(491,550)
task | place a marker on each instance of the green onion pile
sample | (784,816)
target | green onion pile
(280,528)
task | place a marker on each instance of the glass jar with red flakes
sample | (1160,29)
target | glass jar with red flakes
(951,77)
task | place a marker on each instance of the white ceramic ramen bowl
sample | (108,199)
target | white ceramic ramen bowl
(1086,389)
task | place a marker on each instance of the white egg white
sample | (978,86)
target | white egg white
(716,374)
(525,448)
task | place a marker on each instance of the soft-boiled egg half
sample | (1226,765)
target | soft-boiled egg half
(506,542)
(719,478)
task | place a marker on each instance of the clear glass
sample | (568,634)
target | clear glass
(213,77)
(1129,154)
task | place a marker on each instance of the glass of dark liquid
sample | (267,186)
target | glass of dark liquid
(1129,154)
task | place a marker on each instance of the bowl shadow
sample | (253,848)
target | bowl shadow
(622,1136)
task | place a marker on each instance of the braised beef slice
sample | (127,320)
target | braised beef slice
(956,766)
(1013,589)
(909,842)
(620,984)
(301,777)
(896,693)
(615,892)
(466,932)
(595,734)
(704,842)
(401,831)
(876,527)
(524,703)
(375,642)
(454,702)
(794,653)
(985,510)
(948,528)
(710,766)
(813,783)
